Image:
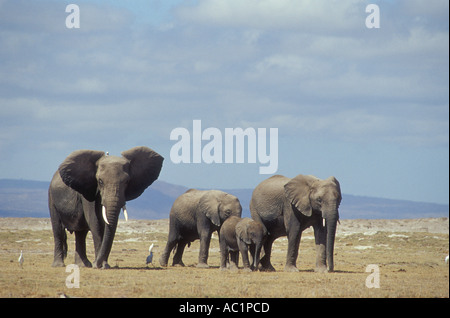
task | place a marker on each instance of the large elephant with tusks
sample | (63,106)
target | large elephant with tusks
(87,193)
(288,206)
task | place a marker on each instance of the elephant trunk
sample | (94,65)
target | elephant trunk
(330,226)
(257,257)
(105,249)
(110,215)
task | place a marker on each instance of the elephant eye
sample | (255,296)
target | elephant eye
(228,212)
(100,182)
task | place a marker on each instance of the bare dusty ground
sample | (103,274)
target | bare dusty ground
(346,227)
(408,256)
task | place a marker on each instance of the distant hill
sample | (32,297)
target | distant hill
(23,198)
(26,198)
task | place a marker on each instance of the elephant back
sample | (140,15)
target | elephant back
(184,208)
(268,199)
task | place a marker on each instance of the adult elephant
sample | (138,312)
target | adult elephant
(288,206)
(87,193)
(196,214)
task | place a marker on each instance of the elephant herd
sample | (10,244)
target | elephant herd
(90,189)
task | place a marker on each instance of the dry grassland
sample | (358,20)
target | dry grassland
(410,255)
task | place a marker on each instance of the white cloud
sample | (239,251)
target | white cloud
(288,63)
(88,86)
(278,14)
(426,12)
(95,18)
(310,68)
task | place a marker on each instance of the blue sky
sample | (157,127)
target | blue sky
(369,106)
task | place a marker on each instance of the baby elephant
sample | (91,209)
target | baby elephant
(238,234)
(196,214)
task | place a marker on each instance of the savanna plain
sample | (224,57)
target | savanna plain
(409,254)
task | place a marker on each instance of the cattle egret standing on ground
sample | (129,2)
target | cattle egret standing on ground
(446,260)
(21,259)
(150,256)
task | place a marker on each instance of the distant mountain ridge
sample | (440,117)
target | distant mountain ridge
(27,198)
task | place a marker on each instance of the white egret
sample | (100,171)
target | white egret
(150,256)
(21,259)
(446,260)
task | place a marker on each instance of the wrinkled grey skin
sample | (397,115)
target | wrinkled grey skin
(88,180)
(241,235)
(288,206)
(196,215)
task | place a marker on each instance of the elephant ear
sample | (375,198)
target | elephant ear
(242,231)
(297,191)
(78,171)
(145,166)
(209,205)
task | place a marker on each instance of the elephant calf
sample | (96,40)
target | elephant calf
(196,215)
(238,234)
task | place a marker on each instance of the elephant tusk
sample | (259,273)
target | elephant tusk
(104,214)
(125,214)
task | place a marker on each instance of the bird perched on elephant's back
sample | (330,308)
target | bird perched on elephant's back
(87,193)
(196,214)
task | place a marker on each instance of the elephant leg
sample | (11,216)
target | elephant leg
(80,249)
(243,248)
(60,239)
(223,254)
(97,238)
(294,236)
(234,260)
(320,236)
(205,240)
(95,222)
(266,266)
(177,258)
(172,241)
